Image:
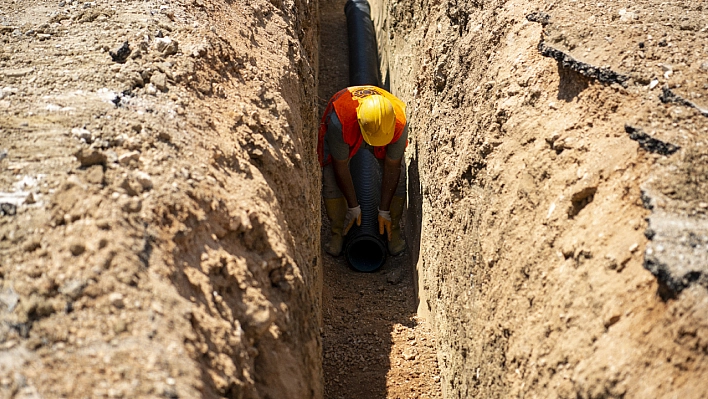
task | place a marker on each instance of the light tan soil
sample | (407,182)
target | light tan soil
(164,243)
(534,266)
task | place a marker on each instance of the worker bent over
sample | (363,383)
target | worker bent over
(371,118)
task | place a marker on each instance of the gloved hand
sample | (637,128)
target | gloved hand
(353,214)
(385,223)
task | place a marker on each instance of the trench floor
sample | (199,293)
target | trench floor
(374,344)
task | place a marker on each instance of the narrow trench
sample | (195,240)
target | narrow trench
(374,344)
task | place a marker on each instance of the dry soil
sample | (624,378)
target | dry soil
(160,217)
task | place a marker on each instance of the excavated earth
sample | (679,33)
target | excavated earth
(160,217)
(158,234)
(561,150)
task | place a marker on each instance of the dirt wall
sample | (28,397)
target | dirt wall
(158,235)
(557,193)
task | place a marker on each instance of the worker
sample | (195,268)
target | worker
(363,118)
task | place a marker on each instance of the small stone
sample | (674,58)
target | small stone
(90,156)
(94,174)
(116,299)
(144,179)
(164,136)
(611,262)
(553,106)
(121,54)
(159,79)
(133,205)
(633,247)
(704,66)
(394,277)
(410,353)
(17,73)
(9,299)
(77,248)
(627,16)
(703,205)
(29,200)
(8,209)
(6,91)
(128,157)
(166,45)
(151,89)
(120,326)
(82,134)
(120,139)
(72,288)
(164,67)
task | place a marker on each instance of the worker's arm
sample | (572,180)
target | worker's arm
(340,159)
(391,174)
(344,181)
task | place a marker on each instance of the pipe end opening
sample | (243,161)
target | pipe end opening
(365,254)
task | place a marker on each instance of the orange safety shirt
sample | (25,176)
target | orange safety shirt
(345,103)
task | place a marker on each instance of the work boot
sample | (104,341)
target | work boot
(336,212)
(396,245)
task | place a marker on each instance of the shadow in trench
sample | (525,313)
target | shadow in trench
(361,311)
(414,222)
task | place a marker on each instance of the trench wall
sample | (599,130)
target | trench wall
(170,245)
(526,211)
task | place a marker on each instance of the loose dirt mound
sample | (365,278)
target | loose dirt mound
(158,234)
(561,150)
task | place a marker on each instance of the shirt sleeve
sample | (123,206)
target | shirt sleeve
(335,140)
(396,150)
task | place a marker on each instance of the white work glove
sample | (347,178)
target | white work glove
(353,215)
(385,223)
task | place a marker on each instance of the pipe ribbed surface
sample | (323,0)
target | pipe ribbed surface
(365,249)
(363,53)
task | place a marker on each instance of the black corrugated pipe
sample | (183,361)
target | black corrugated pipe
(363,53)
(365,249)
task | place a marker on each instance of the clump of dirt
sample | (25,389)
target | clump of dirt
(157,235)
(551,264)
(688,180)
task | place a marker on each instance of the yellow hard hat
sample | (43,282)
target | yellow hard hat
(377,120)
